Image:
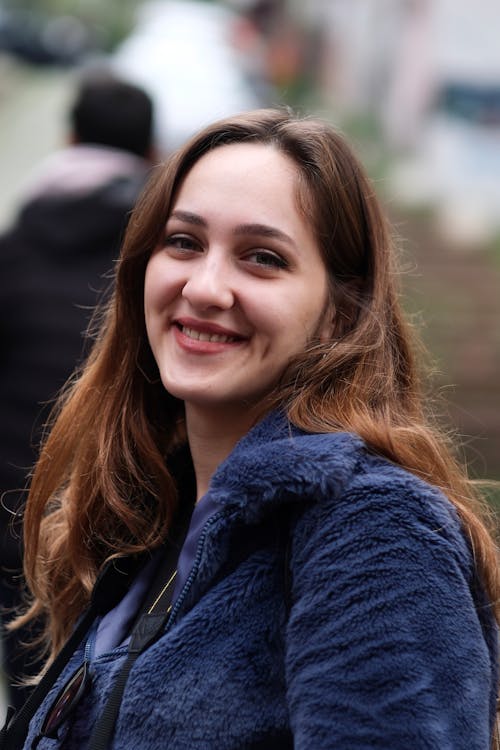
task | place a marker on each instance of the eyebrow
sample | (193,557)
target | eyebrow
(189,218)
(262,230)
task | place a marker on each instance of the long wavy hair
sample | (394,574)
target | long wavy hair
(102,486)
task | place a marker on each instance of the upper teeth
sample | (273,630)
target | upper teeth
(203,336)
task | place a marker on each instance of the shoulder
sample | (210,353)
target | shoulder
(384,609)
(347,495)
(275,455)
(375,506)
(333,481)
(337,470)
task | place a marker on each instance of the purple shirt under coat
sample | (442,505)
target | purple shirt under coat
(114,628)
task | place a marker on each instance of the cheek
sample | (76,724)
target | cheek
(290,321)
(154,297)
(151,326)
(314,320)
(159,285)
(149,285)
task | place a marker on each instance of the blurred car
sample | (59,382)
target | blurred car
(183,53)
(453,165)
(455,168)
(39,39)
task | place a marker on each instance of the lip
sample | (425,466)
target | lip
(191,343)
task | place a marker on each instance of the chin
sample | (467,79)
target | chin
(200,396)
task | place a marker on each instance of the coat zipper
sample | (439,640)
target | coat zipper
(194,569)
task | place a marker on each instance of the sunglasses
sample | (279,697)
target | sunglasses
(64,703)
(71,693)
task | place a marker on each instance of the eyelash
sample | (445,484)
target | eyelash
(263,259)
(173,240)
(268,259)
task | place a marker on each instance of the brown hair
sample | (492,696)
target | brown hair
(102,486)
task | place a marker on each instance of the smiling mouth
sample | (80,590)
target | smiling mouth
(217,338)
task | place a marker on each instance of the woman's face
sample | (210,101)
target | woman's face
(238,285)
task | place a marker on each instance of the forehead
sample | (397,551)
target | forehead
(240,159)
(256,173)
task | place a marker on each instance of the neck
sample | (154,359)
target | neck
(212,435)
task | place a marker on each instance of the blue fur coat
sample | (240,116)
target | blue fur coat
(333,604)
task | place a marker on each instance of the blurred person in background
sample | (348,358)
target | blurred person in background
(275,46)
(54,262)
(308,565)
(190,56)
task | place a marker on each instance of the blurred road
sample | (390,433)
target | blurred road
(33,106)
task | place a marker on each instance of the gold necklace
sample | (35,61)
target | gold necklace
(150,611)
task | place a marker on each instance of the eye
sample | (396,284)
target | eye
(182,243)
(266,259)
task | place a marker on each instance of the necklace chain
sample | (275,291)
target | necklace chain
(150,611)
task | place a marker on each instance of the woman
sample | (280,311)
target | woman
(336,585)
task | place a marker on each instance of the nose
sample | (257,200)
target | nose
(209,284)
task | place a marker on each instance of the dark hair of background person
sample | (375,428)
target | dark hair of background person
(113,113)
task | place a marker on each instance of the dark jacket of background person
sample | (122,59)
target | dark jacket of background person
(54,262)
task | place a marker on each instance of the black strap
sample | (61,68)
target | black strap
(150,625)
(110,586)
(147,629)
(16,727)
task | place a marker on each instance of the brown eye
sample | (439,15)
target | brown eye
(181,242)
(267,259)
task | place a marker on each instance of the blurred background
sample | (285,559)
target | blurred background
(414,83)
